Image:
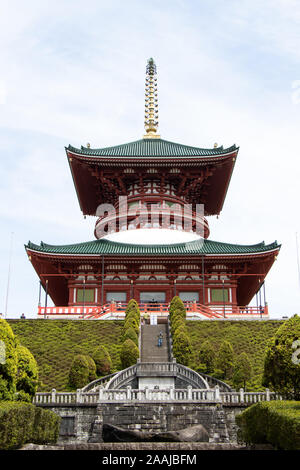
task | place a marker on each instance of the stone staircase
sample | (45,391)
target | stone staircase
(150,352)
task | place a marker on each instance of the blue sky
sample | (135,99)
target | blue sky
(73,72)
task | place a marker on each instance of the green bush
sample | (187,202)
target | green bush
(129,353)
(182,348)
(176,304)
(131,322)
(276,423)
(281,373)
(177,322)
(102,360)
(8,366)
(92,367)
(22,423)
(79,372)
(131,334)
(27,374)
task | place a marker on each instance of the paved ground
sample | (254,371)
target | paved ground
(150,352)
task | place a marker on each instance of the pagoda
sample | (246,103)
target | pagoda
(136,190)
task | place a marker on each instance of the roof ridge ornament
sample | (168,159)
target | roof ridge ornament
(151,102)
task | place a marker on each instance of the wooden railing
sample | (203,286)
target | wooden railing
(128,394)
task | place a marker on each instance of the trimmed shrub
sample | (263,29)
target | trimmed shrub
(129,353)
(176,304)
(182,348)
(131,322)
(9,363)
(133,307)
(92,367)
(177,322)
(102,360)
(79,372)
(131,334)
(27,374)
(21,423)
(276,423)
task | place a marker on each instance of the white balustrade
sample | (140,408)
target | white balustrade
(139,395)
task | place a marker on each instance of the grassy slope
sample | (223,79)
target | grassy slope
(55,342)
(249,336)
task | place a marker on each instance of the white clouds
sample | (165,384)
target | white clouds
(3,92)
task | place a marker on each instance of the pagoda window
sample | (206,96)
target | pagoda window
(189,296)
(219,295)
(116,297)
(85,295)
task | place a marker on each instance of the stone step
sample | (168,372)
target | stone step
(150,351)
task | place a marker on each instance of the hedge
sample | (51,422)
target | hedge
(276,423)
(22,423)
(79,372)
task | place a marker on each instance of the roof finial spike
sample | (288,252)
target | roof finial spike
(151,102)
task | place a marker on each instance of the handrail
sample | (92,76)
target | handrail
(98,382)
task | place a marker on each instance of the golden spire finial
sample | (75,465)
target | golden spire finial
(151,106)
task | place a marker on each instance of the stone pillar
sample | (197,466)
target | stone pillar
(128,393)
(53,395)
(189,389)
(241,395)
(217,393)
(267,394)
(78,395)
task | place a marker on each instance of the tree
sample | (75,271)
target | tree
(102,360)
(207,356)
(129,353)
(182,348)
(282,360)
(79,372)
(224,361)
(131,334)
(92,367)
(242,371)
(8,362)
(27,374)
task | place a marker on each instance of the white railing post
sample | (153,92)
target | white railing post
(146,393)
(267,394)
(78,395)
(189,392)
(172,393)
(217,393)
(53,395)
(241,395)
(128,392)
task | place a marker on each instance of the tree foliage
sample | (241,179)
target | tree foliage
(282,361)
(129,353)
(79,372)
(224,360)
(207,357)
(27,374)
(102,360)
(242,371)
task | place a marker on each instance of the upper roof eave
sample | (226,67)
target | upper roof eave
(106,247)
(151,148)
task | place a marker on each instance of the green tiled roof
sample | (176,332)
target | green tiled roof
(106,247)
(152,148)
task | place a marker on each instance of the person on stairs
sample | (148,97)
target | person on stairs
(160,338)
